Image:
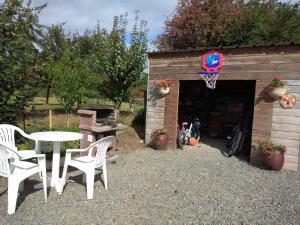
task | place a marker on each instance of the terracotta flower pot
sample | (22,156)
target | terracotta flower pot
(161,142)
(274,160)
(164,90)
(277,92)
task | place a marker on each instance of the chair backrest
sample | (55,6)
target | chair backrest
(5,154)
(102,146)
(7,134)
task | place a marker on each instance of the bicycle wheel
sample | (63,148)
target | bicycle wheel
(181,139)
(231,138)
(196,134)
(235,146)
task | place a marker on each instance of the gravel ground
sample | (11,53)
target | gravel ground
(194,186)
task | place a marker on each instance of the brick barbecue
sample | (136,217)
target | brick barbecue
(97,121)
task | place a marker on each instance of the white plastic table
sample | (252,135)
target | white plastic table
(56,137)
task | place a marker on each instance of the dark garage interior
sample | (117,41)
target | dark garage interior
(219,110)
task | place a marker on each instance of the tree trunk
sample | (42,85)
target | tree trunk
(131,103)
(69,119)
(119,105)
(48,94)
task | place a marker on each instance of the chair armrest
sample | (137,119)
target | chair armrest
(76,150)
(36,148)
(24,134)
(34,156)
(10,151)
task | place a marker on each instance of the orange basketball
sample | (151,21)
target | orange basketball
(192,141)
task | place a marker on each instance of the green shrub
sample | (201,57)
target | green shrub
(139,118)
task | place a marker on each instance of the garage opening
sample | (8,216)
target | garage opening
(225,113)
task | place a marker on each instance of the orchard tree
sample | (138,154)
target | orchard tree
(54,43)
(20,35)
(73,81)
(119,63)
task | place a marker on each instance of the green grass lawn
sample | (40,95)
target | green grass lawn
(39,114)
(38,119)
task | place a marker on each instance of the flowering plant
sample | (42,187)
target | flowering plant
(158,132)
(267,147)
(162,83)
(276,82)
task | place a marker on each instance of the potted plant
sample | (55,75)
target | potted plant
(159,139)
(274,154)
(163,86)
(276,88)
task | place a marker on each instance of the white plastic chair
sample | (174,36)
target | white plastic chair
(89,163)
(7,135)
(17,171)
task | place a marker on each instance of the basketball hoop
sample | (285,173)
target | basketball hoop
(211,63)
(210,79)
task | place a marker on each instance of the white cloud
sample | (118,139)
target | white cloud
(80,15)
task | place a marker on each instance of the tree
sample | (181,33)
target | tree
(20,34)
(264,22)
(211,23)
(53,45)
(73,81)
(118,63)
(197,23)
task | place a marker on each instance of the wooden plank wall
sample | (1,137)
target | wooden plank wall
(286,127)
(155,111)
(236,67)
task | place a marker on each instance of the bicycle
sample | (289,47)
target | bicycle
(184,134)
(237,141)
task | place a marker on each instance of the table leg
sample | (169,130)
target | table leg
(55,181)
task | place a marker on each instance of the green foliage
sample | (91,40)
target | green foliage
(277,82)
(118,63)
(139,118)
(73,80)
(203,23)
(268,146)
(54,43)
(264,22)
(98,63)
(20,35)
(157,132)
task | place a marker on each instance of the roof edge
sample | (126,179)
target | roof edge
(250,46)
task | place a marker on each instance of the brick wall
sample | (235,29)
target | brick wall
(171,114)
(262,120)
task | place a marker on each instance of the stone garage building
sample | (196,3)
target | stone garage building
(245,68)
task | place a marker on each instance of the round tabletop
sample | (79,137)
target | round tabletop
(56,136)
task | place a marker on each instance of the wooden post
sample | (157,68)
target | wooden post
(50,119)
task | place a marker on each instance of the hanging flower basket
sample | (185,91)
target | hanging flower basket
(277,92)
(164,90)
(163,86)
(276,88)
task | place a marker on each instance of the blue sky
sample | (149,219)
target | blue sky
(82,14)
